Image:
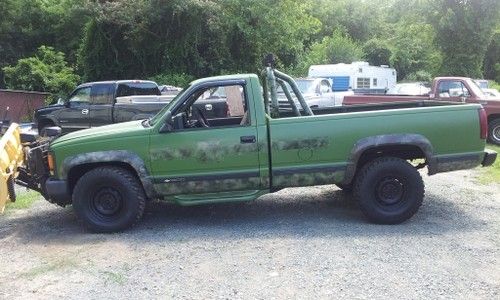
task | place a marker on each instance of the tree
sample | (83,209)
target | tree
(464,29)
(337,48)
(492,58)
(47,71)
(413,49)
(377,52)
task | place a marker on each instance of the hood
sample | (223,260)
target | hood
(108,132)
(48,109)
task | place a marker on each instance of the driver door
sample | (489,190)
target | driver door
(219,158)
(75,115)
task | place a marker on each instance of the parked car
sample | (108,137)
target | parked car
(410,89)
(101,103)
(449,89)
(108,174)
(317,92)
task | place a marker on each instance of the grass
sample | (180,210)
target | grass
(491,174)
(48,267)
(24,200)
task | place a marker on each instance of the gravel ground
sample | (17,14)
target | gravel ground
(298,243)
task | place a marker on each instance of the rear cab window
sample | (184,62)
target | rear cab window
(137,89)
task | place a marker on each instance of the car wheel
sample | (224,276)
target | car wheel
(108,199)
(494,132)
(389,190)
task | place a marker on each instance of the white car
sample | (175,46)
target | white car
(316,91)
(493,93)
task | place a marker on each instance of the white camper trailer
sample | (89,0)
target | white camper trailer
(358,76)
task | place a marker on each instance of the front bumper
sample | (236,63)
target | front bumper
(58,191)
(489,157)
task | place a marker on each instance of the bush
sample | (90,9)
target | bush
(47,71)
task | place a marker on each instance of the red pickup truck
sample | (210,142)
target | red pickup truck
(451,89)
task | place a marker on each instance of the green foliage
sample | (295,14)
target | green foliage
(175,79)
(337,48)
(124,39)
(413,50)
(377,52)
(464,29)
(492,57)
(420,76)
(47,71)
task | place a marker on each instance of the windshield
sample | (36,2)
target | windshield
(162,112)
(412,89)
(476,89)
(305,86)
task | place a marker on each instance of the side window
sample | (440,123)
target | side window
(450,88)
(81,95)
(214,107)
(324,87)
(102,93)
(137,89)
(363,83)
(375,82)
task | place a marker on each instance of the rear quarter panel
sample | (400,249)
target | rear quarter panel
(327,141)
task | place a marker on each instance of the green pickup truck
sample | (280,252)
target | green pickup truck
(109,173)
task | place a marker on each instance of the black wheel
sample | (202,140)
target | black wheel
(389,190)
(494,132)
(345,187)
(108,199)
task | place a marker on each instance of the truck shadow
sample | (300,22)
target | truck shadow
(297,213)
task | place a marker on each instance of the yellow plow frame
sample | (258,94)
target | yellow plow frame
(11,157)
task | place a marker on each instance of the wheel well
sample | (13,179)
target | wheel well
(492,118)
(78,171)
(44,122)
(400,151)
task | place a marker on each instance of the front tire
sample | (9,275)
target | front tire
(108,199)
(389,190)
(494,132)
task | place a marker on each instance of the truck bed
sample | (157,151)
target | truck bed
(284,113)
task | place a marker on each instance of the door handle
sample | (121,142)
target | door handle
(247,139)
(85,111)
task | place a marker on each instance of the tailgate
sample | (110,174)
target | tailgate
(11,157)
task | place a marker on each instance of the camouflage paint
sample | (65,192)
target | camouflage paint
(386,140)
(121,156)
(206,151)
(296,178)
(176,187)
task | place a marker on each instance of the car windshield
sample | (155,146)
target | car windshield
(412,89)
(162,112)
(476,89)
(305,86)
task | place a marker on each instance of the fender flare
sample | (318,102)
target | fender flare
(112,156)
(371,142)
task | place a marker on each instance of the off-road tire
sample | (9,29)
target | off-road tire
(494,132)
(109,199)
(389,190)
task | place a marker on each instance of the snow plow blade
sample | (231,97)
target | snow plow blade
(11,157)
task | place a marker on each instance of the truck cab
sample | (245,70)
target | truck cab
(94,104)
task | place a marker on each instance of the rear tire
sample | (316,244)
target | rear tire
(389,190)
(109,199)
(494,132)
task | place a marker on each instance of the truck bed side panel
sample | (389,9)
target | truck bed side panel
(316,150)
